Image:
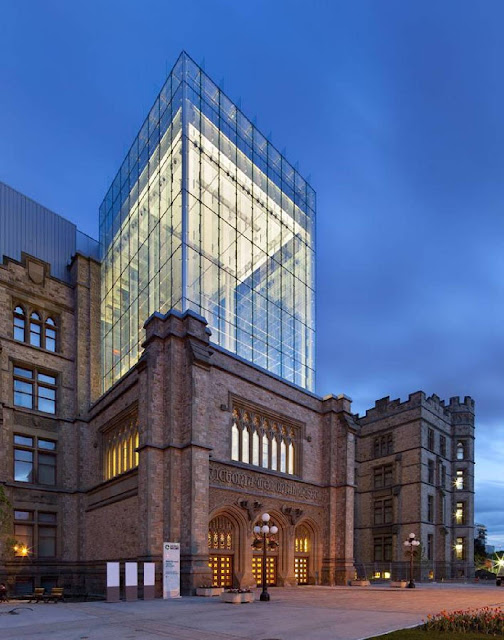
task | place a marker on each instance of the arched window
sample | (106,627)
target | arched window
(235,442)
(245,457)
(263,442)
(255,448)
(292,456)
(119,454)
(19,324)
(283,456)
(302,540)
(50,334)
(35,330)
(221,534)
(460,450)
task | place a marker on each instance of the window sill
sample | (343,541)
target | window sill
(34,346)
(34,412)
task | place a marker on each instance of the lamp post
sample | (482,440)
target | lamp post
(411,544)
(266,530)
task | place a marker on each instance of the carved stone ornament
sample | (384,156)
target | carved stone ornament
(251,507)
(36,271)
(292,513)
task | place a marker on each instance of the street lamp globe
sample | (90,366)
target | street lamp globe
(257,529)
(265,528)
(274,529)
(265,517)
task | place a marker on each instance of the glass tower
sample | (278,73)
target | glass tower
(205,214)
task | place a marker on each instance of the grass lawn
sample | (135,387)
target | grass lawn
(420,634)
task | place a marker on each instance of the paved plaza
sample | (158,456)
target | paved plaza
(304,613)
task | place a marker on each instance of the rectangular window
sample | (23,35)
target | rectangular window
(383,511)
(35,534)
(383,445)
(430,508)
(383,476)
(430,439)
(443,476)
(430,546)
(459,480)
(383,549)
(442,446)
(460,513)
(34,390)
(460,549)
(430,471)
(23,533)
(46,535)
(34,460)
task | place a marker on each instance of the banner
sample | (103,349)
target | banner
(171,570)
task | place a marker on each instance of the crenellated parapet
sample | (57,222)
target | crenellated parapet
(385,407)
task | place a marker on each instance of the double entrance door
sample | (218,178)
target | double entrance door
(301,569)
(271,570)
(222,569)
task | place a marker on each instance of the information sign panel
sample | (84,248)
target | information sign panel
(171,570)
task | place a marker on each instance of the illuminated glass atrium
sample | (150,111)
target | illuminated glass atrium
(205,214)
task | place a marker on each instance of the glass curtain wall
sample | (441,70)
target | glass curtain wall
(205,214)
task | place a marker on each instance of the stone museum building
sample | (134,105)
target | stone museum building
(159,386)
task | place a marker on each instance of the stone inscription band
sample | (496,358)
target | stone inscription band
(228,477)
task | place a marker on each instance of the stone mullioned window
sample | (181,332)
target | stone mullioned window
(32,327)
(120,444)
(263,441)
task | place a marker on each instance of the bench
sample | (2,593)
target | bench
(56,595)
(37,595)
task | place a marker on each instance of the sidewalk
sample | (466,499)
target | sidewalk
(303,613)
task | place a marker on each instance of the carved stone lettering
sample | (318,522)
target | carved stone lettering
(221,475)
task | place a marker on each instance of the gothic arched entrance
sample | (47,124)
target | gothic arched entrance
(221,548)
(302,550)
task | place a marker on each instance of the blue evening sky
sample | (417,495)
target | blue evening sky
(394,108)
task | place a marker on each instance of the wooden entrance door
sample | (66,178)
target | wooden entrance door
(271,570)
(222,570)
(301,569)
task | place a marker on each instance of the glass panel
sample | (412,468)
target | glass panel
(47,406)
(274,454)
(46,542)
(245,445)
(25,373)
(23,466)
(23,515)
(25,440)
(46,469)
(42,377)
(46,444)
(235,438)
(255,448)
(23,534)
(47,517)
